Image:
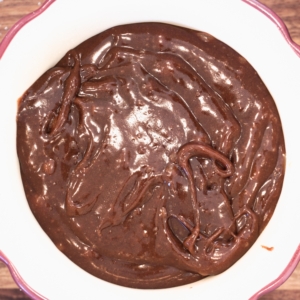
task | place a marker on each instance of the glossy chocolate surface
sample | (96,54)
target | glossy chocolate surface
(152,155)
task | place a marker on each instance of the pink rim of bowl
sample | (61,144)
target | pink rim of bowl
(19,280)
(14,29)
(283,29)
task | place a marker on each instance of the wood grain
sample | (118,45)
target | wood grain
(282,295)
(11,11)
(6,280)
(12,294)
(289,10)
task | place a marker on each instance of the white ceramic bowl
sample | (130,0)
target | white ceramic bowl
(37,265)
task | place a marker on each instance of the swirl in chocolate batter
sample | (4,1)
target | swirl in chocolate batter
(152,155)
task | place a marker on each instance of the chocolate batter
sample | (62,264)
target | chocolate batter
(152,155)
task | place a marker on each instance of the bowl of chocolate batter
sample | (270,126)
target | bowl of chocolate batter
(150,153)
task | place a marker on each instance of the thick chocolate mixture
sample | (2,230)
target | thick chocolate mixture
(152,155)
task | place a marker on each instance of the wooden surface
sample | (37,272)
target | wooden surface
(289,10)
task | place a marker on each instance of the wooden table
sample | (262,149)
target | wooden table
(289,10)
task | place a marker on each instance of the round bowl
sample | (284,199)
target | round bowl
(38,267)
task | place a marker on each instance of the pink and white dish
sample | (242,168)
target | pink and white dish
(31,48)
